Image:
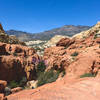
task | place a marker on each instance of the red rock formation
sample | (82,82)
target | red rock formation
(56,58)
(14,90)
(80,57)
(14,60)
(55,55)
(65,42)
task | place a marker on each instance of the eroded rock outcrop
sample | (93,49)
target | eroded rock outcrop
(15,60)
(76,55)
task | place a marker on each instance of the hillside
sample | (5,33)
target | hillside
(67,30)
(5,38)
(76,64)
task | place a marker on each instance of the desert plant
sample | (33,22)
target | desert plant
(13,84)
(88,75)
(95,36)
(63,73)
(74,54)
(47,77)
(81,46)
(18,83)
(41,67)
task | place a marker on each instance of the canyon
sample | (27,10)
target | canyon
(77,58)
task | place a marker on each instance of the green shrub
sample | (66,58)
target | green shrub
(13,84)
(81,46)
(47,77)
(87,75)
(23,82)
(20,83)
(63,73)
(95,36)
(41,67)
(74,54)
(84,37)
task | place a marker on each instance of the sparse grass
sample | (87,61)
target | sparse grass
(13,84)
(88,75)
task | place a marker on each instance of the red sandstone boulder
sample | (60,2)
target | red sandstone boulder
(65,42)
(14,90)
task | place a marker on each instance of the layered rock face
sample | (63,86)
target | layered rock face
(16,62)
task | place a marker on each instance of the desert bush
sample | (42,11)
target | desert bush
(95,36)
(13,84)
(47,77)
(41,67)
(81,46)
(63,73)
(74,54)
(20,83)
(88,75)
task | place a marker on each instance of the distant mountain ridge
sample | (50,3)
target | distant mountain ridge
(67,30)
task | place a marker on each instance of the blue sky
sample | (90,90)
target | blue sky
(39,15)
